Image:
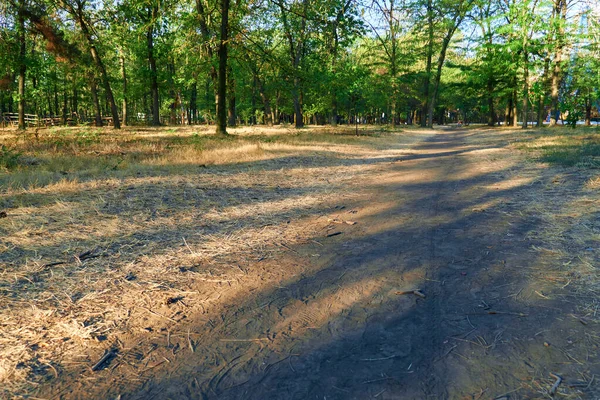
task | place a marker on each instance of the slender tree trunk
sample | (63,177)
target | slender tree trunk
(334,110)
(296,50)
(207,37)
(231,111)
(103,74)
(152,13)
(65,107)
(555,112)
(525,89)
(438,74)
(334,59)
(515,116)
(540,111)
(75,104)
(542,97)
(222,87)
(429,63)
(97,111)
(559,11)
(124,77)
(193,117)
(101,68)
(22,65)
(491,120)
(266,103)
(276,112)
(393,64)
(508,112)
(49,99)
(298,118)
(588,109)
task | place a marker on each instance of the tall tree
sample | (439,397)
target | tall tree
(22,64)
(77,10)
(222,84)
(452,14)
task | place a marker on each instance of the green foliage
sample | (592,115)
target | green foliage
(329,55)
(9,157)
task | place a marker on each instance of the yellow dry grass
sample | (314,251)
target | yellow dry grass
(103,227)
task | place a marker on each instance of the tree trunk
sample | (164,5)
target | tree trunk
(540,111)
(296,51)
(75,104)
(22,65)
(428,66)
(541,98)
(65,104)
(266,103)
(393,110)
(508,112)
(56,107)
(94,90)
(276,113)
(124,77)
(559,11)
(222,84)
(231,112)
(438,74)
(100,65)
(193,116)
(334,110)
(103,74)
(152,13)
(588,109)
(298,118)
(491,120)
(515,116)
(525,90)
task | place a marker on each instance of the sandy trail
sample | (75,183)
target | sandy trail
(325,320)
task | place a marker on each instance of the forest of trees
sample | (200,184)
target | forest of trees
(222,62)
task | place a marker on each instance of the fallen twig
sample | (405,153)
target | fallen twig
(52,264)
(158,314)
(491,312)
(481,393)
(378,359)
(108,355)
(377,380)
(556,384)
(448,352)
(340,221)
(86,255)
(190,342)
(583,321)
(416,292)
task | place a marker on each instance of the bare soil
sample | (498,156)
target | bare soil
(501,250)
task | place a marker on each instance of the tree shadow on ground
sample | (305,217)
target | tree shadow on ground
(338,329)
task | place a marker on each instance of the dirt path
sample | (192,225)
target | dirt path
(451,217)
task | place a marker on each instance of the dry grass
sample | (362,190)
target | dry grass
(567,208)
(107,232)
(565,147)
(105,229)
